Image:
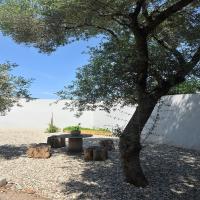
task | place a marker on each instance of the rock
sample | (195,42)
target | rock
(42,150)
(3,182)
(29,191)
(56,141)
(108,144)
(100,154)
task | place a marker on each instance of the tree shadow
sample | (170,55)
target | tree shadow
(87,142)
(9,152)
(173,173)
(64,151)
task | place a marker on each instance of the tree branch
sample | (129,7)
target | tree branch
(179,77)
(95,26)
(137,10)
(196,57)
(121,22)
(145,11)
(104,12)
(162,16)
(107,30)
(191,64)
(174,51)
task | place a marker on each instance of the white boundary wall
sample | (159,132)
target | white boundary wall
(179,122)
(178,125)
(37,114)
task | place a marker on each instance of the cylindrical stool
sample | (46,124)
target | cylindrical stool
(75,145)
(56,141)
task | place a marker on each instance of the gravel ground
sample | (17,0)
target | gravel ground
(18,195)
(173,173)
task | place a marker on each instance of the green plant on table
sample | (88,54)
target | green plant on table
(77,128)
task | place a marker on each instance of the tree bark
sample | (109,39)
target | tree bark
(130,146)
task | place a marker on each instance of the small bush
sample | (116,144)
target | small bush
(52,129)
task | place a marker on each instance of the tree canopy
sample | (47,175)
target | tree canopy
(112,74)
(12,88)
(48,24)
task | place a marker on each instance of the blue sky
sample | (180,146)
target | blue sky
(51,72)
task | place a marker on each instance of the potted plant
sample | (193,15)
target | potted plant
(76,130)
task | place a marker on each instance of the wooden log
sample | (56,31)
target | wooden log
(56,141)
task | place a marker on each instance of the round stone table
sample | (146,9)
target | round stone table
(75,142)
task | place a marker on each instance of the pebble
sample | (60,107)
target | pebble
(173,173)
(3,182)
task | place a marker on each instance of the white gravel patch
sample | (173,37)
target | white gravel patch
(173,173)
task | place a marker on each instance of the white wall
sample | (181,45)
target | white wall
(179,121)
(117,117)
(37,115)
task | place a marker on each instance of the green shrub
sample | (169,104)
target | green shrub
(52,129)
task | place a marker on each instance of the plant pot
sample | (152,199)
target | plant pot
(75,132)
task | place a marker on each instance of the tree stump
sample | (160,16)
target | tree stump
(56,141)
(88,153)
(39,151)
(107,144)
(100,154)
(75,145)
(95,153)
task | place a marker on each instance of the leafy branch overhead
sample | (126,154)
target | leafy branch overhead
(49,24)
(12,88)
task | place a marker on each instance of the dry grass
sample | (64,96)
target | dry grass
(96,132)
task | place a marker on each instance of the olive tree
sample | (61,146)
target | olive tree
(148,48)
(12,88)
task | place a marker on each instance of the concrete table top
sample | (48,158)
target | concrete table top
(74,136)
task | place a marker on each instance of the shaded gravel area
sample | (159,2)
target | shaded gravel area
(173,173)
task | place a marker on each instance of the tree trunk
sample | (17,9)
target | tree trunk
(130,146)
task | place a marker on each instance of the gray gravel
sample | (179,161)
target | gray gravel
(173,173)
